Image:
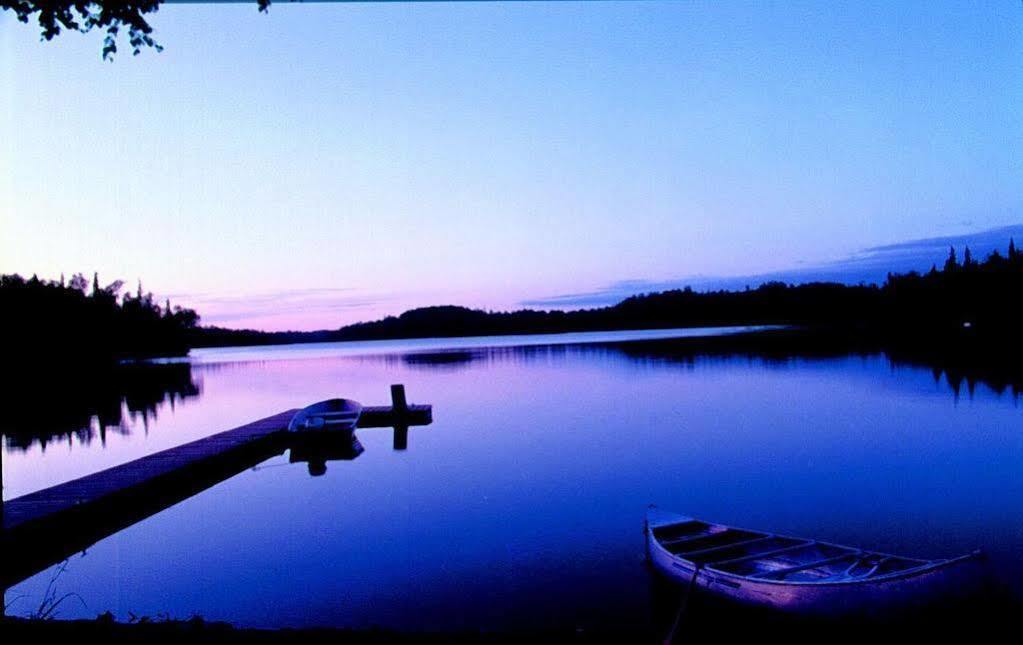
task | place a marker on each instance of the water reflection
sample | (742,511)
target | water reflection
(317,448)
(532,481)
(118,399)
(678,617)
(41,543)
(86,404)
(954,371)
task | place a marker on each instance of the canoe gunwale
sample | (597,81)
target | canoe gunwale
(336,415)
(924,566)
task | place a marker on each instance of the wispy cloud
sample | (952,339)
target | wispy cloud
(330,308)
(870,265)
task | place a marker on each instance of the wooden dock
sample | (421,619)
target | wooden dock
(382,416)
(45,527)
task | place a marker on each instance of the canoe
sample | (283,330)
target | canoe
(332,415)
(794,574)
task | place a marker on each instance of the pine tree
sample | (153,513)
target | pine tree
(951,264)
(967,259)
(95,284)
(1012,249)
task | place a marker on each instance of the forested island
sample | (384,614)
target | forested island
(76,319)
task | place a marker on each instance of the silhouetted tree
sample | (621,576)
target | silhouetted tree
(114,17)
(44,319)
(78,283)
(114,288)
(951,264)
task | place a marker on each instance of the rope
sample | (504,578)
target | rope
(684,605)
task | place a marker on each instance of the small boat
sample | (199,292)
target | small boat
(332,414)
(794,574)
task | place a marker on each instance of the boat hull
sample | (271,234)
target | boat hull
(914,590)
(331,415)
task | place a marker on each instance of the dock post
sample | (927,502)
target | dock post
(400,406)
(400,438)
(398,401)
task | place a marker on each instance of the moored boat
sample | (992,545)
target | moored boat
(332,414)
(795,574)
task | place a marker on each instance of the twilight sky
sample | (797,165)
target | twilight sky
(328,163)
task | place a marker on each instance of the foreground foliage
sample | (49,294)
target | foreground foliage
(113,17)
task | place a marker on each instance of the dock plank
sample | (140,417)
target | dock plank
(47,526)
(92,488)
(383,416)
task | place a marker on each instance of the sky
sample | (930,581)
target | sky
(330,163)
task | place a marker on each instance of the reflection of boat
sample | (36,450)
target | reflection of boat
(317,448)
(798,575)
(332,414)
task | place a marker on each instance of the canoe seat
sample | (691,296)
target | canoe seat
(712,540)
(747,549)
(770,564)
(682,530)
(833,567)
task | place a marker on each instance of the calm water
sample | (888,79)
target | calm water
(522,504)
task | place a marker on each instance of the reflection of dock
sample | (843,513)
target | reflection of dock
(45,527)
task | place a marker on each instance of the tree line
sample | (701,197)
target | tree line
(963,295)
(75,320)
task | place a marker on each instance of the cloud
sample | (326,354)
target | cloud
(870,265)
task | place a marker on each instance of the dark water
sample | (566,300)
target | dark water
(522,505)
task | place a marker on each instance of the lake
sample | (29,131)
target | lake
(522,505)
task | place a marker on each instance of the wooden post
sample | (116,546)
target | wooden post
(398,401)
(400,406)
(400,437)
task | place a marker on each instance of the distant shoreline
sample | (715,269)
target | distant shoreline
(967,294)
(455,343)
(965,355)
(967,299)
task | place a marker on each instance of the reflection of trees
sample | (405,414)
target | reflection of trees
(964,360)
(451,359)
(66,403)
(961,363)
